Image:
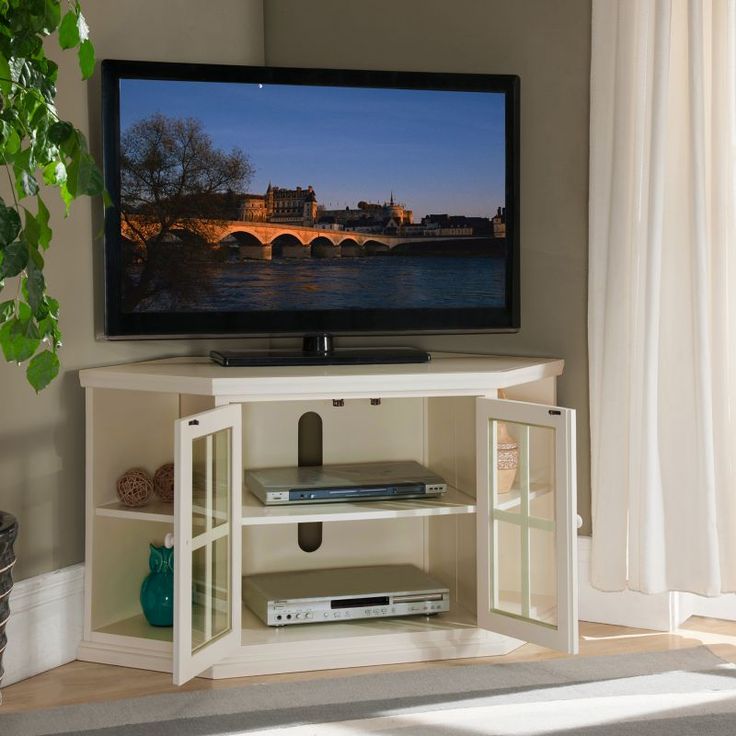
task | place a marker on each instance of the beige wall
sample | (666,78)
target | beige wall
(546,42)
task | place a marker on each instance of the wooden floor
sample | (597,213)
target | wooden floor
(80,682)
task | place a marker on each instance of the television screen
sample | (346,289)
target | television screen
(267,200)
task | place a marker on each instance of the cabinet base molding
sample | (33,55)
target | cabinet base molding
(142,658)
(263,660)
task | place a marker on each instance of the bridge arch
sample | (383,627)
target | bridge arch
(323,247)
(242,245)
(375,248)
(184,235)
(349,248)
(287,245)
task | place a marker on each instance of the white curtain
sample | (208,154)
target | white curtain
(662,295)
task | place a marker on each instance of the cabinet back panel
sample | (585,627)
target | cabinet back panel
(120,564)
(355,432)
(344,544)
(451,555)
(451,440)
(130,429)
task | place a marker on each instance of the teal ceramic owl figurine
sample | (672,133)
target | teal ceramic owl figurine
(157,591)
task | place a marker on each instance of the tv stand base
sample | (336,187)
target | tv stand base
(319,350)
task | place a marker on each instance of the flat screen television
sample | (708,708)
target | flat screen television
(278,201)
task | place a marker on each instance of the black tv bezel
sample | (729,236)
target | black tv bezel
(135,325)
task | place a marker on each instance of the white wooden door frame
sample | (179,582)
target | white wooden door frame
(186,663)
(564,636)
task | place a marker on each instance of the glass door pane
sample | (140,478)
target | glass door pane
(208,537)
(524,484)
(526,514)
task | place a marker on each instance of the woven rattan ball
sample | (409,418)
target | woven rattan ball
(135,487)
(163,482)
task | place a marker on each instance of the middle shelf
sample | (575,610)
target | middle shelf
(254,513)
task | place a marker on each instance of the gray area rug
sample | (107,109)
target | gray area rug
(675,693)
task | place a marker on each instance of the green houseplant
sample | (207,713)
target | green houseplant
(39,151)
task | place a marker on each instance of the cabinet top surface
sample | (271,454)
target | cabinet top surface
(445,373)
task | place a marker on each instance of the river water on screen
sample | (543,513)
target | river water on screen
(401,282)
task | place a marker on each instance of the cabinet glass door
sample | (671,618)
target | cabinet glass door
(207,539)
(527,531)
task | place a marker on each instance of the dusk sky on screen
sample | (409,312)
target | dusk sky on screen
(438,152)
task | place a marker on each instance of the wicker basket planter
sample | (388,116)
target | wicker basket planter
(8,533)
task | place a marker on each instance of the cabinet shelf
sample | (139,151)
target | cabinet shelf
(256,514)
(154,511)
(452,502)
(136,627)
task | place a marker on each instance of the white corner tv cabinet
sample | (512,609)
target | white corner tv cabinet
(507,557)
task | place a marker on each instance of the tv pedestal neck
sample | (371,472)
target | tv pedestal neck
(319,350)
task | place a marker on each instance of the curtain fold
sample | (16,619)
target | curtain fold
(662,327)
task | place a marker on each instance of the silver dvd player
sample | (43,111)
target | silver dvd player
(354,482)
(343,594)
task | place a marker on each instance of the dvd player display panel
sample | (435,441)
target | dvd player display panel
(350,482)
(344,594)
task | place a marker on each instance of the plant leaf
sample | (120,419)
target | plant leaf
(82,26)
(28,185)
(42,370)
(12,143)
(19,338)
(42,218)
(83,177)
(54,173)
(33,287)
(7,310)
(15,259)
(31,232)
(68,30)
(60,131)
(9,225)
(66,197)
(52,15)
(86,59)
(5,86)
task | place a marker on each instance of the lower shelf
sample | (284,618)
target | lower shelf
(256,633)
(266,650)
(136,627)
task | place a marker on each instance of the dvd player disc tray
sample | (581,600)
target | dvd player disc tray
(353,482)
(343,594)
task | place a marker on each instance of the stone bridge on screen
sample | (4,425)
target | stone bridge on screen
(267,240)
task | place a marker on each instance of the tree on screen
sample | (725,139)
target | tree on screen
(176,187)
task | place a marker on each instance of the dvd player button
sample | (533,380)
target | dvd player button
(307,615)
(298,615)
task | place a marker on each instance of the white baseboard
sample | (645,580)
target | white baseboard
(723,606)
(662,612)
(45,624)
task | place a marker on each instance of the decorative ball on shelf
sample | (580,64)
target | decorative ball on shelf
(163,482)
(135,487)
